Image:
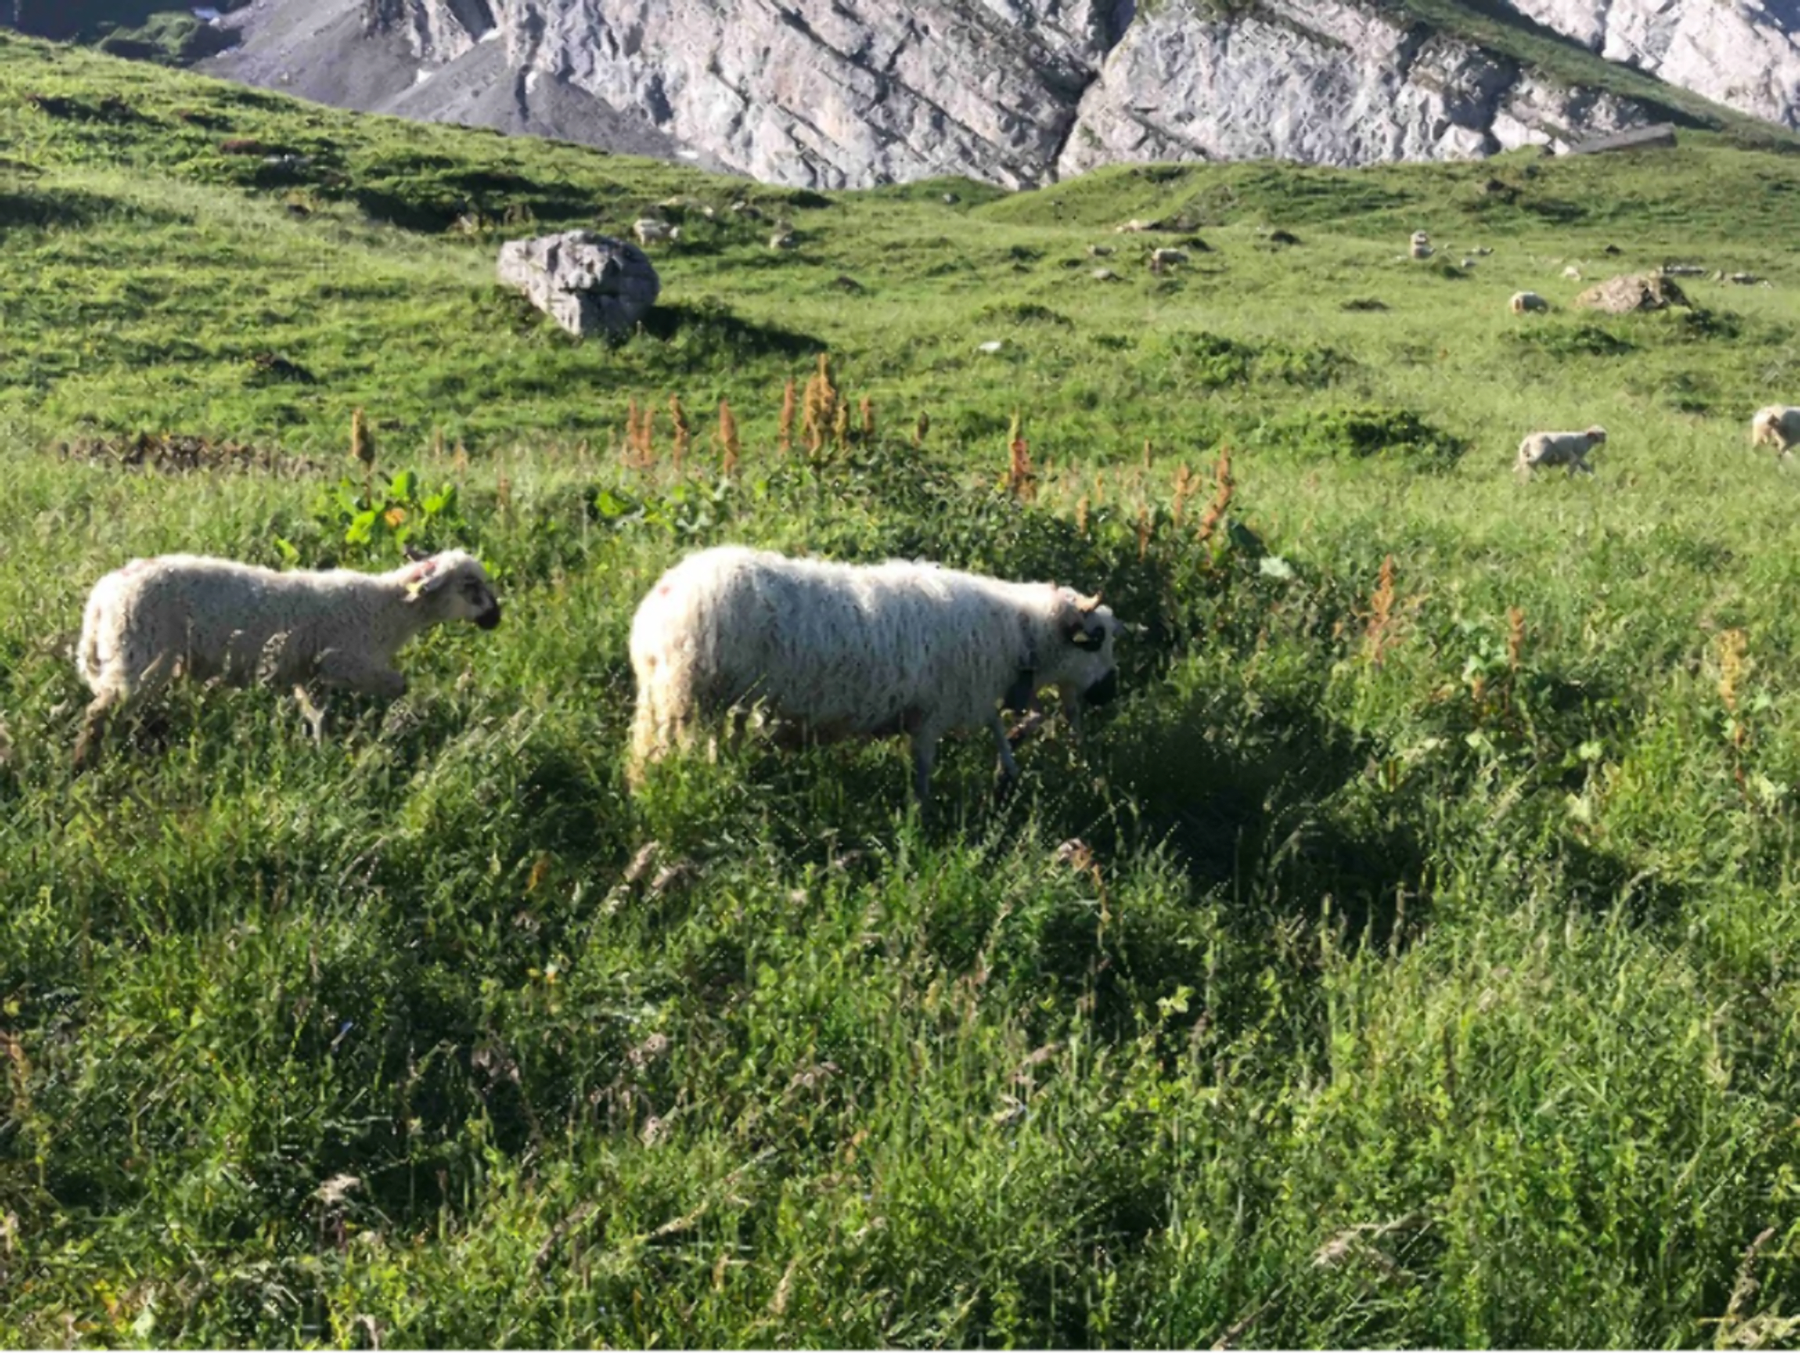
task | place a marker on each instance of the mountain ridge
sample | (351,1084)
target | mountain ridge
(856,93)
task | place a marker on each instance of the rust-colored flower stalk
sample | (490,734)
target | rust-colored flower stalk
(729,446)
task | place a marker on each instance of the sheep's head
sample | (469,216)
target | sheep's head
(452,586)
(1596,434)
(1083,663)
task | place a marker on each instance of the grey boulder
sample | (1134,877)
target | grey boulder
(587,282)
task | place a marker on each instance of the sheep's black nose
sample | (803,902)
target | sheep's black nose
(1103,690)
(488,619)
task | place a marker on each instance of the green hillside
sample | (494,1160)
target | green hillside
(1405,959)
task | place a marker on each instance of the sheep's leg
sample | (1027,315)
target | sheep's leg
(1071,707)
(93,727)
(114,699)
(1009,766)
(311,711)
(924,755)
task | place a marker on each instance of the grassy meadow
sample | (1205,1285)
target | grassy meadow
(1407,958)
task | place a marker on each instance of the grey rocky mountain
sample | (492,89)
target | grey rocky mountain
(848,93)
(1742,54)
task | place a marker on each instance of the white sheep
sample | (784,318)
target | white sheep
(1543,450)
(1419,247)
(1526,301)
(190,616)
(651,230)
(1778,426)
(839,650)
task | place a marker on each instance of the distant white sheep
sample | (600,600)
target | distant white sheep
(1420,245)
(650,230)
(838,650)
(1541,451)
(1524,302)
(1778,426)
(190,616)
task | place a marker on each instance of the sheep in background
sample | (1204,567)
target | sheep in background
(1527,301)
(1778,426)
(191,616)
(839,650)
(649,230)
(1420,245)
(1540,451)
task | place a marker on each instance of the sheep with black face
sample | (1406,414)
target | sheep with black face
(840,650)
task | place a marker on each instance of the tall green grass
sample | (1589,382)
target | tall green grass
(1405,959)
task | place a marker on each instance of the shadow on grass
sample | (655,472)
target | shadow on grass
(1271,818)
(58,209)
(709,330)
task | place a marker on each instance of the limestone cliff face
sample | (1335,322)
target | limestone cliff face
(847,93)
(828,93)
(1743,54)
(1319,81)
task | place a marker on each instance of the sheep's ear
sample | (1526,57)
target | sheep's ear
(424,577)
(413,553)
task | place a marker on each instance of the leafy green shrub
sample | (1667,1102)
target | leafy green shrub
(368,522)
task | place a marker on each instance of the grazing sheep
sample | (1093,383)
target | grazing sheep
(189,616)
(649,230)
(839,650)
(1572,273)
(784,239)
(1543,450)
(1420,245)
(1776,426)
(1526,301)
(1164,258)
